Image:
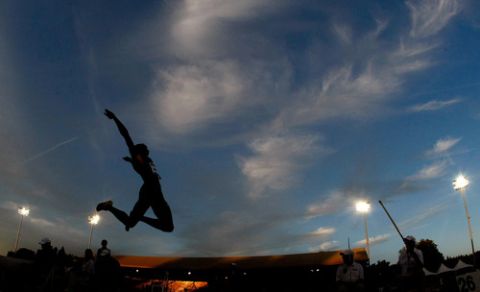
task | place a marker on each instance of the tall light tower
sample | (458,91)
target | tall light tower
(23,212)
(363,208)
(460,184)
(92,220)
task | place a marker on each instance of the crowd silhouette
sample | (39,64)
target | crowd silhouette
(51,270)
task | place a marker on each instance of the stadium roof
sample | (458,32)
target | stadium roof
(242,262)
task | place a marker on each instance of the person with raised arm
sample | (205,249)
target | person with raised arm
(150,194)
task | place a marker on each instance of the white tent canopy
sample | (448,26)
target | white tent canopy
(443,269)
(428,273)
(461,265)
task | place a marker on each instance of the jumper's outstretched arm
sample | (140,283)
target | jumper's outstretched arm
(123,130)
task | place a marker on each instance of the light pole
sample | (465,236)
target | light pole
(23,212)
(92,220)
(363,207)
(459,184)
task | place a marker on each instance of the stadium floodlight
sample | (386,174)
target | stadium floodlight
(92,220)
(363,207)
(460,184)
(23,212)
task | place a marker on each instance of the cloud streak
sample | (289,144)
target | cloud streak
(424,215)
(322,231)
(431,16)
(49,150)
(434,170)
(442,146)
(326,246)
(434,105)
(374,240)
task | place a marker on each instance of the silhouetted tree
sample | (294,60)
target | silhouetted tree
(431,256)
(379,275)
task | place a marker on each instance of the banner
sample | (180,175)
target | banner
(469,282)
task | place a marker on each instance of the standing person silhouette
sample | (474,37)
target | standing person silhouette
(150,194)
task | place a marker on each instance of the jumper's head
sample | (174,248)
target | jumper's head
(141,149)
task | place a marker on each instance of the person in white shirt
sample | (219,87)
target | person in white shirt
(350,276)
(410,260)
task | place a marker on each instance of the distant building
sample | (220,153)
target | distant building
(240,273)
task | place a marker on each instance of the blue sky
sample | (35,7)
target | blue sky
(267,121)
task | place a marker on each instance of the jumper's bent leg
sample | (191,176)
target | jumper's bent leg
(141,206)
(164,219)
(120,215)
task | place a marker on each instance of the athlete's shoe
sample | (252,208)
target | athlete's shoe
(104,205)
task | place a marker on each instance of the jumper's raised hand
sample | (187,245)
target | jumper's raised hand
(109,114)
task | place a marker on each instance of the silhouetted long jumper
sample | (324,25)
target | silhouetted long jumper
(150,194)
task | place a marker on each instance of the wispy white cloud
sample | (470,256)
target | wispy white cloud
(374,239)
(442,146)
(343,32)
(9,205)
(327,206)
(424,215)
(434,105)
(326,246)
(343,92)
(216,81)
(196,27)
(322,231)
(42,223)
(240,233)
(206,93)
(277,161)
(335,201)
(434,170)
(431,16)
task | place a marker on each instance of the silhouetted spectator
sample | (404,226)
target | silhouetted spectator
(88,267)
(410,260)
(103,251)
(44,264)
(46,255)
(350,276)
(107,270)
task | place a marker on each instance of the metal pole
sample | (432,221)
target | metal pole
(90,239)
(470,233)
(391,219)
(366,236)
(18,233)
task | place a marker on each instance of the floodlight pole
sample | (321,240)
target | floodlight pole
(90,238)
(364,208)
(366,235)
(467,214)
(18,232)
